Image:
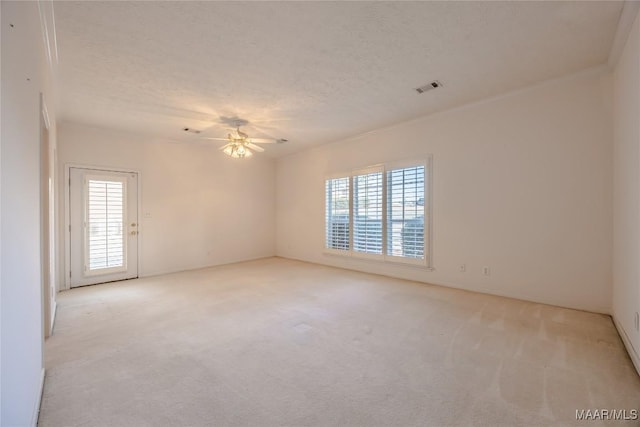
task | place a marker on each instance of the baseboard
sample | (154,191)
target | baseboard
(633,354)
(36,409)
(360,265)
(198,267)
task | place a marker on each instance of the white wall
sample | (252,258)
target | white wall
(521,183)
(206,208)
(626,253)
(25,74)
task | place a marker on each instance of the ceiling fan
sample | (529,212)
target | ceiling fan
(239,144)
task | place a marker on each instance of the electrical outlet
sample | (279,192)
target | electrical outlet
(462,268)
(486,271)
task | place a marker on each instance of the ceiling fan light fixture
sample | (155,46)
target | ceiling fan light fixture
(237,151)
(239,144)
(241,152)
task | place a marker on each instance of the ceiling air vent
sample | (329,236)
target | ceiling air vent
(429,86)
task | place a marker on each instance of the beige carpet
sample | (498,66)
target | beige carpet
(279,342)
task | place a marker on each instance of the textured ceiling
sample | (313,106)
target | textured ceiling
(310,72)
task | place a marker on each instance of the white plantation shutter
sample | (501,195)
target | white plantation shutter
(337,207)
(367,212)
(385,214)
(105,225)
(406,212)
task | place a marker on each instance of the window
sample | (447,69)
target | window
(104,225)
(385,214)
(367,212)
(337,214)
(405,212)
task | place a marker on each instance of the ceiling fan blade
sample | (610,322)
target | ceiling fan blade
(262,140)
(226,145)
(255,147)
(216,139)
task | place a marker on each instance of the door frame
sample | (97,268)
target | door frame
(48,199)
(67,213)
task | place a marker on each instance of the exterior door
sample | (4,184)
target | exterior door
(103,218)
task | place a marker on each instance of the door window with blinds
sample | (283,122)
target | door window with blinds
(105,224)
(385,214)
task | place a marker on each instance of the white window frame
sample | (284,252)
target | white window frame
(333,251)
(405,164)
(359,172)
(427,261)
(109,270)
